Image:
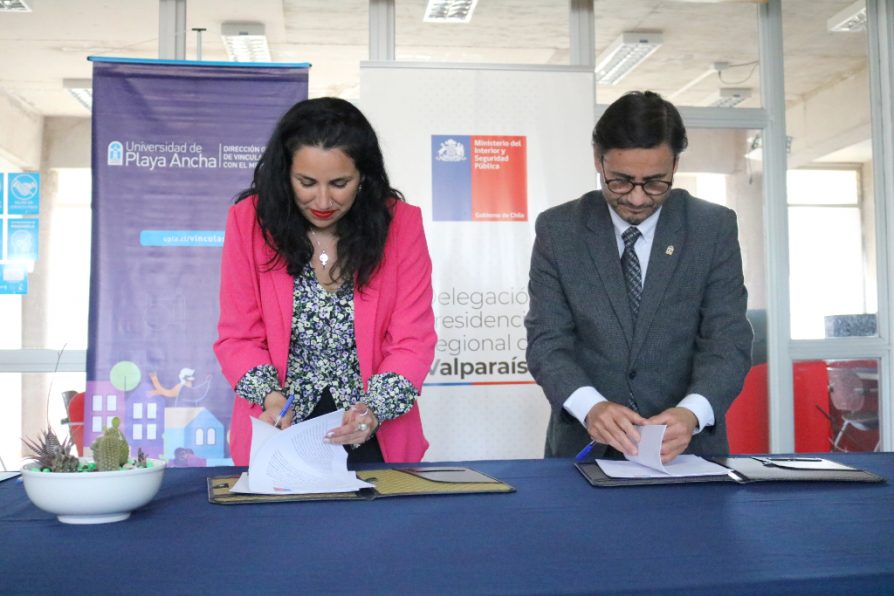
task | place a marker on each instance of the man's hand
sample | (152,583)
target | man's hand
(681,423)
(613,424)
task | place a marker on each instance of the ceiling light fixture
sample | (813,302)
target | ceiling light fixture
(81,90)
(849,20)
(14,6)
(449,11)
(245,42)
(728,97)
(625,54)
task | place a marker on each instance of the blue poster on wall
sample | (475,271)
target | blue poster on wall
(24,193)
(13,279)
(173,143)
(21,240)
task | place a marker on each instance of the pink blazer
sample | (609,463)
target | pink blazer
(393,321)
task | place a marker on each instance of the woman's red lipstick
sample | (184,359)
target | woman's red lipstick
(322,214)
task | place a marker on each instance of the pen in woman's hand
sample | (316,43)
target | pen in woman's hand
(284,410)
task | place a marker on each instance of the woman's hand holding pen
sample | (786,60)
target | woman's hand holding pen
(357,426)
(613,424)
(273,405)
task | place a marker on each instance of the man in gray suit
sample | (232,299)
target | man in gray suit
(637,299)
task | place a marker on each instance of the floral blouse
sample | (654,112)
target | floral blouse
(323,353)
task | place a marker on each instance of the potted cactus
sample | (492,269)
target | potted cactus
(110,452)
(82,491)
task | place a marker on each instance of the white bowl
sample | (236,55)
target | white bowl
(92,497)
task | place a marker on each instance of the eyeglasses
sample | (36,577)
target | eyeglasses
(621,186)
(653,188)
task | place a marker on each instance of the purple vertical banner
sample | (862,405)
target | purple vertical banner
(173,143)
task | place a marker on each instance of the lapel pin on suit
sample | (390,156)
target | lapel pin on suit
(669,250)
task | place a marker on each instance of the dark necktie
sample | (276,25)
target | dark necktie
(632,273)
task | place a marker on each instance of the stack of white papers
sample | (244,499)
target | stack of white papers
(296,461)
(647,463)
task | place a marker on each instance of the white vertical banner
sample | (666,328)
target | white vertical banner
(482,150)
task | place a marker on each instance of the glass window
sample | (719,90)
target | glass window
(44,407)
(829,282)
(53,314)
(710,186)
(54,311)
(832,245)
(719,167)
(200,436)
(212,436)
(823,187)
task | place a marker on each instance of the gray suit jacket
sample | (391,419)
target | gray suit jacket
(691,335)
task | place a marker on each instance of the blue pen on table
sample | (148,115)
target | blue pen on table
(285,409)
(585,451)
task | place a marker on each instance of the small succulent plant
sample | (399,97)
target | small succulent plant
(52,454)
(110,452)
(110,449)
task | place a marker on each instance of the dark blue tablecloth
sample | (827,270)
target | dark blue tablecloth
(556,534)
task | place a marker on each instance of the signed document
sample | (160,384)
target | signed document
(647,464)
(297,461)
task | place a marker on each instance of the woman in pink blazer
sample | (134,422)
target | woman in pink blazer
(326,290)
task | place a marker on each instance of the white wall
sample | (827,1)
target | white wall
(20,142)
(66,143)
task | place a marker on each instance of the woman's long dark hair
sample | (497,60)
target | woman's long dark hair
(327,123)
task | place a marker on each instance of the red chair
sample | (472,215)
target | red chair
(747,419)
(811,388)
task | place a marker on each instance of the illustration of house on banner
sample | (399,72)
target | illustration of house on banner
(141,416)
(196,430)
(144,426)
(102,403)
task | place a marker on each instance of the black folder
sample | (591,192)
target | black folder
(744,470)
(770,468)
(397,482)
